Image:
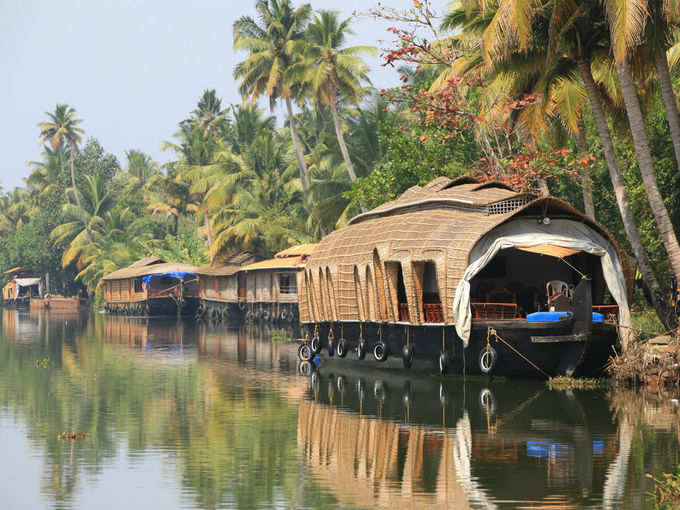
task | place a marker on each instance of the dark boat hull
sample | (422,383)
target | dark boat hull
(153,307)
(228,311)
(522,349)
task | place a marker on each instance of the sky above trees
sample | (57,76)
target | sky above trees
(132,69)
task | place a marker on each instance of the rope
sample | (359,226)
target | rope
(331,333)
(583,276)
(443,340)
(408,335)
(493,332)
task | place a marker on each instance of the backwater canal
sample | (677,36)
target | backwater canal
(186,414)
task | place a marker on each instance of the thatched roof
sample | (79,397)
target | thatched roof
(296,251)
(156,268)
(441,221)
(147,261)
(229,266)
(277,263)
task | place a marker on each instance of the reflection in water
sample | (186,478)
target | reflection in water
(198,415)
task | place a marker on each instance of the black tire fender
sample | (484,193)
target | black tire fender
(487,359)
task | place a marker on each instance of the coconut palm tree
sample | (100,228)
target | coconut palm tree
(62,128)
(577,36)
(140,166)
(330,72)
(626,25)
(270,44)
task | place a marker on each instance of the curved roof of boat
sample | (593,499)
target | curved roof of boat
(229,266)
(133,271)
(446,216)
(462,193)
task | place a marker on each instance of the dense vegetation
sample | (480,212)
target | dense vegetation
(563,97)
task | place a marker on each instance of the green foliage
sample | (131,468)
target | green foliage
(413,155)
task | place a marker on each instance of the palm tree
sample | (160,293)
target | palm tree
(626,27)
(98,202)
(270,46)
(576,36)
(62,128)
(141,166)
(331,72)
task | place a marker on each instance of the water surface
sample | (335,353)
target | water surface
(196,415)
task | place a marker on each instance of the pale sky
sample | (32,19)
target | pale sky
(131,69)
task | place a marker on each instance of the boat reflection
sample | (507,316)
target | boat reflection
(384,441)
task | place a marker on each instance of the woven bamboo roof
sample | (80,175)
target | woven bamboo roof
(296,251)
(441,221)
(147,261)
(463,193)
(229,266)
(277,263)
(160,268)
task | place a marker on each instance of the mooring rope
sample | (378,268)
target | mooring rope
(492,331)
(583,276)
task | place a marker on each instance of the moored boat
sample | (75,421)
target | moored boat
(151,286)
(470,277)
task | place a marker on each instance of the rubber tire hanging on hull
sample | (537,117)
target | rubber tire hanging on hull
(487,359)
(407,355)
(341,348)
(315,343)
(380,351)
(361,349)
(443,363)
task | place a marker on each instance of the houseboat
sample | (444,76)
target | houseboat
(23,285)
(471,277)
(222,287)
(271,291)
(151,286)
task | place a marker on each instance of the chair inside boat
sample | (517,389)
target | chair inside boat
(518,283)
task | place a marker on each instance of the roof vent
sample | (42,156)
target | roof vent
(509,205)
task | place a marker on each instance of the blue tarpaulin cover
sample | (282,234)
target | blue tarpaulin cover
(555,316)
(147,278)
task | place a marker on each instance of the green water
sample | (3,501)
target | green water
(193,415)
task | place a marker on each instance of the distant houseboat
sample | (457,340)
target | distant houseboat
(23,286)
(151,286)
(246,287)
(222,288)
(271,285)
(468,276)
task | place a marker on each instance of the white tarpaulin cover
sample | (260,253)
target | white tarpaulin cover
(526,233)
(26,282)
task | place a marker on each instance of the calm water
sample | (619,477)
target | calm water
(186,415)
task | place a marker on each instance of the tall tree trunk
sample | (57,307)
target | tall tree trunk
(341,142)
(661,64)
(75,193)
(587,185)
(302,166)
(644,159)
(543,187)
(622,200)
(209,234)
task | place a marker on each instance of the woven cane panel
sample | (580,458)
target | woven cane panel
(414,236)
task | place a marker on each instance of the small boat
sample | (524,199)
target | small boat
(23,286)
(468,277)
(151,286)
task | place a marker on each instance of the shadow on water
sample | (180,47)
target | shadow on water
(222,415)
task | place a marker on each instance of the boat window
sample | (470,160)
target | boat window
(370,296)
(395,277)
(432,306)
(287,283)
(138,285)
(222,283)
(359,295)
(331,295)
(382,310)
